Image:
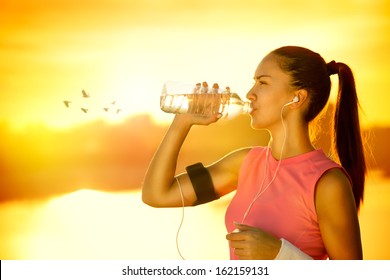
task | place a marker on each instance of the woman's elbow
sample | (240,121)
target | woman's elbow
(151,200)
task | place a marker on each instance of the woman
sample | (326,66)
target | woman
(292,202)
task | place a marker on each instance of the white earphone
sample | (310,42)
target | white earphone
(295,100)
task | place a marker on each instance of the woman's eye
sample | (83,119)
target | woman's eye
(259,82)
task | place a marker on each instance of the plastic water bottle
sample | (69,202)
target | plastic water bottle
(199,99)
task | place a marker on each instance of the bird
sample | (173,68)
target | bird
(66,102)
(84,110)
(105,109)
(85,95)
(113,102)
(118,110)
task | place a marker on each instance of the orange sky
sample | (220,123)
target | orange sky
(124,50)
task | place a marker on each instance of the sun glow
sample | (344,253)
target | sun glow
(127,50)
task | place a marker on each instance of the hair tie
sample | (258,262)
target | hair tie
(332,68)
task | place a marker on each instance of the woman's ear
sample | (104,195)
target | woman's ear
(300,98)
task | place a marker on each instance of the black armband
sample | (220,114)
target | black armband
(202,183)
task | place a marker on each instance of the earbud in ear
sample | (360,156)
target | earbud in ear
(295,100)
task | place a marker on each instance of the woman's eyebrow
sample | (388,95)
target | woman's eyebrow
(261,76)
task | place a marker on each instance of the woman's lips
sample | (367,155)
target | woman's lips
(252,110)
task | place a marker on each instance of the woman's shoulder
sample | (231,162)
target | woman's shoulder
(333,185)
(239,154)
(248,152)
(234,160)
(256,150)
(333,179)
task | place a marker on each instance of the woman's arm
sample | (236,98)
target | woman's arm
(337,216)
(160,189)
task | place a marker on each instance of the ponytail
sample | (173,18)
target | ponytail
(348,144)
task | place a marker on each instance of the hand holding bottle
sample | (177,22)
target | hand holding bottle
(193,119)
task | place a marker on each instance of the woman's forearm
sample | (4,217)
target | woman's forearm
(161,171)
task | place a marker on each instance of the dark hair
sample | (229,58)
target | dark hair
(309,71)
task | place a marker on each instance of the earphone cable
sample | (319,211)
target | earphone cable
(261,191)
(182,218)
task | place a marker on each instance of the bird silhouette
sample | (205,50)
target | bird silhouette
(85,95)
(110,107)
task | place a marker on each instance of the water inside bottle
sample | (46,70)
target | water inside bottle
(199,104)
(200,99)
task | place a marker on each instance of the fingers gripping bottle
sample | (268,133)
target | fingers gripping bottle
(199,99)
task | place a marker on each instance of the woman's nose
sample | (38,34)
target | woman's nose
(250,96)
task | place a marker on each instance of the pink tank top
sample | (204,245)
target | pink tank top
(286,208)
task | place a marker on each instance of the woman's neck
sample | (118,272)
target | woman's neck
(295,142)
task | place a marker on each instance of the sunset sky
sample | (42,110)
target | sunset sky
(124,50)
(71,179)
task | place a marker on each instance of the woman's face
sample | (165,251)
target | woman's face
(271,90)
